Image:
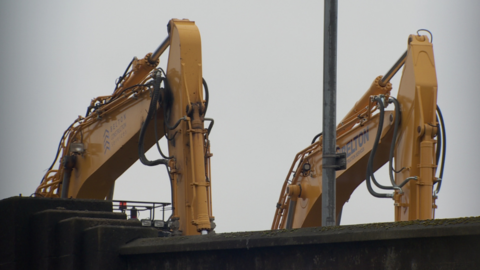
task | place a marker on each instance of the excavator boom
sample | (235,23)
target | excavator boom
(370,139)
(146,105)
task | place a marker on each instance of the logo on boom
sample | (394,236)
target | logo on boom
(106,143)
(356,143)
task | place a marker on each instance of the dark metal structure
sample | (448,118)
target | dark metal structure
(329,111)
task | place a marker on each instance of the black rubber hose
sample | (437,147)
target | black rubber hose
(155,127)
(377,140)
(316,137)
(176,124)
(166,113)
(372,154)
(89,109)
(207,96)
(398,118)
(377,183)
(210,126)
(58,150)
(438,149)
(173,136)
(151,111)
(123,76)
(128,88)
(156,139)
(165,103)
(444,148)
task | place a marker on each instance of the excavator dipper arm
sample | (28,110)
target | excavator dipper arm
(146,105)
(371,137)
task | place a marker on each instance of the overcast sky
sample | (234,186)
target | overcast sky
(263,64)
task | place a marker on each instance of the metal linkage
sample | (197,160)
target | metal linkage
(396,67)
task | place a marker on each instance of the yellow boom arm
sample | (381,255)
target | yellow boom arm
(300,201)
(98,148)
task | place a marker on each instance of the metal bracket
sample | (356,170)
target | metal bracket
(340,161)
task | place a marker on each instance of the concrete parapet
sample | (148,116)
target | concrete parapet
(70,238)
(44,231)
(40,233)
(431,244)
(100,245)
(16,230)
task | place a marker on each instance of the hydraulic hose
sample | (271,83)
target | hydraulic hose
(438,149)
(166,104)
(210,126)
(119,81)
(159,73)
(375,145)
(151,111)
(156,139)
(184,118)
(207,96)
(176,124)
(372,155)
(59,147)
(316,137)
(444,148)
(173,136)
(394,140)
(377,183)
(112,98)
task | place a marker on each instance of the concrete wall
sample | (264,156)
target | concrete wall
(37,233)
(43,233)
(437,244)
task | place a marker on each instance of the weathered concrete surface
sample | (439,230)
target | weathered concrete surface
(433,244)
(16,229)
(38,233)
(100,245)
(44,232)
(84,234)
(71,238)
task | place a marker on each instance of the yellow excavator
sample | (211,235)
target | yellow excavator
(411,138)
(146,105)
(149,103)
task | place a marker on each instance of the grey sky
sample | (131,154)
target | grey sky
(263,64)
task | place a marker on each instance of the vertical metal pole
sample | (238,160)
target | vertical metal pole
(329,111)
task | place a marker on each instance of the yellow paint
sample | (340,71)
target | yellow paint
(110,134)
(415,147)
